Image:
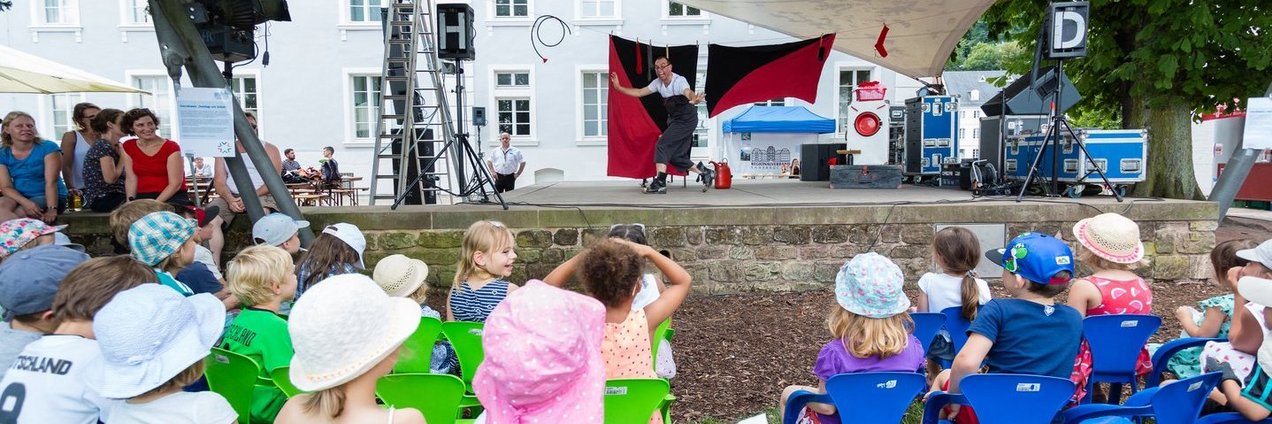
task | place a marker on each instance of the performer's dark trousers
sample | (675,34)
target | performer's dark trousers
(674,143)
(505,182)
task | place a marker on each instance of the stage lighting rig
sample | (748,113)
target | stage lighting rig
(228,26)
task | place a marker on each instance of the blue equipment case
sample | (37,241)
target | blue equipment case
(1126,150)
(931,134)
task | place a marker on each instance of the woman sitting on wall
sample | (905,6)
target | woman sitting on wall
(152,164)
(29,168)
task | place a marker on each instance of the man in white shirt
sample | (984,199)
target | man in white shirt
(506,164)
(202,169)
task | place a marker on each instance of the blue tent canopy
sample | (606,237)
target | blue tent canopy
(779,119)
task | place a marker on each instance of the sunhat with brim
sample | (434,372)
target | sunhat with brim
(1110,236)
(1036,257)
(543,358)
(16,233)
(1261,254)
(399,275)
(140,354)
(343,327)
(870,285)
(158,235)
(350,235)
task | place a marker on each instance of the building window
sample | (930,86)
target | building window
(159,101)
(514,116)
(962,133)
(364,10)
(57,12)
(598,8)
(975,132)
(848,80)
(976,153)
(512,79)
(137,12)
(63,107)
(975,94)
(677,10)
(975,114)
(246,91)
(595,104)
(365,106)
(512,8)
(773,102)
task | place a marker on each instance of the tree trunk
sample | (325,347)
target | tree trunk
(1169,166)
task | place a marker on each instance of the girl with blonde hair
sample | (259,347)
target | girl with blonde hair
(481,275)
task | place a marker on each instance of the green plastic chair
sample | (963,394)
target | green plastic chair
(465,337)
(232,376)
(282,380)
(416,354)
(633,400)
(663,332)
(436,395)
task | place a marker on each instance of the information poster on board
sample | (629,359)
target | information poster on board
(1258,124)
(206,116)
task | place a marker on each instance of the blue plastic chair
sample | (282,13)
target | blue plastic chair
(1005,398)
(871,397)
(1230,418)
(1167,351)
(1116,342)
(926,325)
(1177,403)
(957,327)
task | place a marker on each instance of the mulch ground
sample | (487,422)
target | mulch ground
(735,353)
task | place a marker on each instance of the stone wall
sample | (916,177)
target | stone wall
(747,249)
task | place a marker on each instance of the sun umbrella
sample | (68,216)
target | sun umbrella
(22,72)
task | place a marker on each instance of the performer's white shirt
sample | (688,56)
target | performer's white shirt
(677,87)
(506,161)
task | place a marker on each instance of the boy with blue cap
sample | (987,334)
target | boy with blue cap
(1028,333)
(28,281)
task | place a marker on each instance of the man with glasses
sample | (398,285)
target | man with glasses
(506,164)
(682,118)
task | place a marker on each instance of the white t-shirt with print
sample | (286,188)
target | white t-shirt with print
(177,408)
(46,383)
(945,291)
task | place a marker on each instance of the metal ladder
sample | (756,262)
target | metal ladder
(414,110)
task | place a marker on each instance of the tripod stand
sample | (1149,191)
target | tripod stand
(481,176)
(1052,138)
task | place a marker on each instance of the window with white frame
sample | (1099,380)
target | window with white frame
(136,12)
(247,92)
(848,80)
(514,116)
(598,8)
(773,102)
(975,132)
(56,12)
(158,101)
(512,79)
(62,107)
(974,95)
(365,104)
(677,10)
(512,8)
(361,11)
(976,153)
(975,114)
(962,133)
(595,104)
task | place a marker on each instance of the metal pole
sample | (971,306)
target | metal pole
(1234,174)
(181,45)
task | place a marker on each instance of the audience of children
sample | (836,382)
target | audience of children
(146,362)
(346,332)
(957,252)
(28,282)
(164,240)
(1108,244)
(870,329)
(1249,396)
(1028,333)
(565,382)
(485,261)
(400,276)
(336,251)
(51,370)
(261,278)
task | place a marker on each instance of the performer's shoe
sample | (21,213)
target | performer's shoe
(707,176)
(656,187)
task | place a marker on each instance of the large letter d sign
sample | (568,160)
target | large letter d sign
(1067,29)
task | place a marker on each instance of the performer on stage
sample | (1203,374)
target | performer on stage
(682,117)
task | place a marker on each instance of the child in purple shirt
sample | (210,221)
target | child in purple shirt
(870,329)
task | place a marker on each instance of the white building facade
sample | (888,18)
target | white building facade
(321,85)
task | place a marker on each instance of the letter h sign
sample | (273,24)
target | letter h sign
(1066,29)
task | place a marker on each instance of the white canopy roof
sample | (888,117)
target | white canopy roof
(22,72)
(921,33)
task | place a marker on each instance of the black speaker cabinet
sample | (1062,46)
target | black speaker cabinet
(814,160)
(455,32)
(479,116)
(1019,99)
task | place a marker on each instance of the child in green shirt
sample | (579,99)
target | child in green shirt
(261,277)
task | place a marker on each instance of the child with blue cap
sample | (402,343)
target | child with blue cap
(28,281)
(1028,333)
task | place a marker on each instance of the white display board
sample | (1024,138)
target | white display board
(206,118)
(764,154)
(1258,125)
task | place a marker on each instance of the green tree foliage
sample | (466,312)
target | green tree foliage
(988,56)
(1156,64)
